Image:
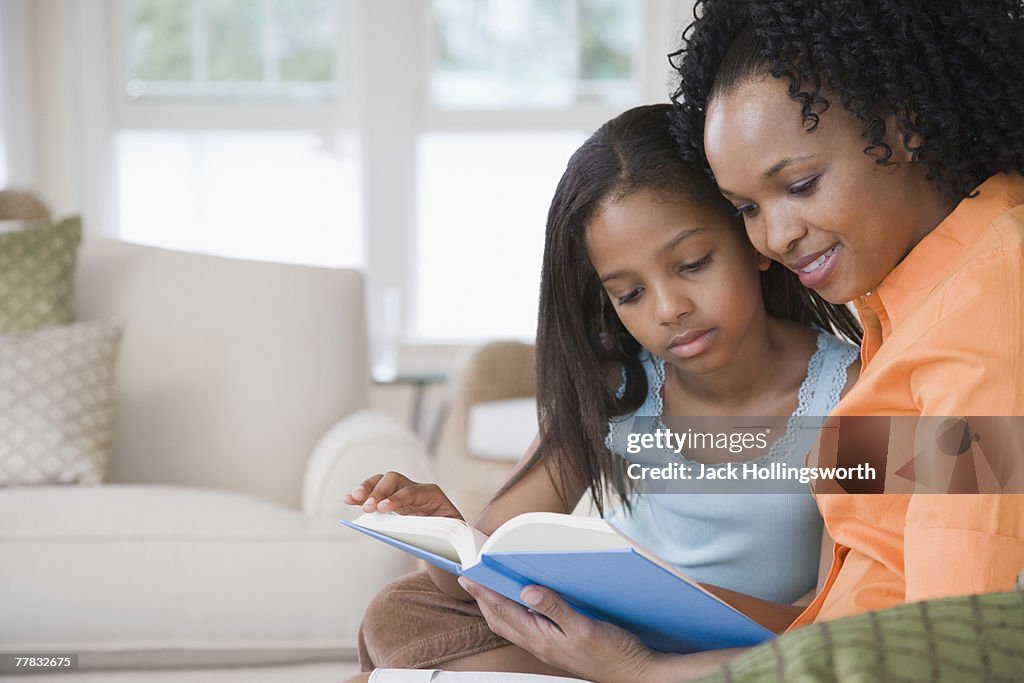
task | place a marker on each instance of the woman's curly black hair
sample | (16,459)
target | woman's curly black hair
(951,73)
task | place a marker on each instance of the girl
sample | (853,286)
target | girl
(876,150)
(653,302)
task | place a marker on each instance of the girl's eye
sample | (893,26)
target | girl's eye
(696,265)
(628,298)
(746,210)
(805,187)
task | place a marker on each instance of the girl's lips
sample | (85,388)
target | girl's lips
(688,346)
(814,274)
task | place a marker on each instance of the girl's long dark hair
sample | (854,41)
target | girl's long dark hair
(579,335)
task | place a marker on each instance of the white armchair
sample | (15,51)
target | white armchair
(241,422)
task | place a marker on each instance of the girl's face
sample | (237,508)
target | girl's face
(814,201)
(682,277)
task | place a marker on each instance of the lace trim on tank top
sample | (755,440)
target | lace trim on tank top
(826,348)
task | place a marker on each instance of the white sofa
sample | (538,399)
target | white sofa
(241,421)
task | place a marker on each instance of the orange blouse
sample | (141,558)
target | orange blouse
(943,336)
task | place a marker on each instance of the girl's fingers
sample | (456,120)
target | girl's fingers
(386,486)
(394,492)
(419,499)
(359,493)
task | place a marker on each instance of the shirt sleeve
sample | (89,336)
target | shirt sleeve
(971,360)
(970,365)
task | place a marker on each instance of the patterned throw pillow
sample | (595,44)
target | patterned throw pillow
(37,269)
(969,638)
(57,403)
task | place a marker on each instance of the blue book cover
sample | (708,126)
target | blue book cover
(599,572)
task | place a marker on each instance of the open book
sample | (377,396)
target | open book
(599,572)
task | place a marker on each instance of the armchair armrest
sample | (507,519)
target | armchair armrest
(358,445)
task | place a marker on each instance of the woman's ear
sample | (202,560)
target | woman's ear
(899,141)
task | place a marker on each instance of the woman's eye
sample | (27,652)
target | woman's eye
(746,210)
(628,298)
(805,187)
(695,265)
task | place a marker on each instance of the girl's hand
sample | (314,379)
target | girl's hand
(558,635)
(394,492)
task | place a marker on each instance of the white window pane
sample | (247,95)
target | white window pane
(231,48)
(535,53)
(482,206)
(273,196)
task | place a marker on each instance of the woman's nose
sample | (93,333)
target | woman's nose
(781,233)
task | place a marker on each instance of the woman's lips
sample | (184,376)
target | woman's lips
(814,274)
(692,343)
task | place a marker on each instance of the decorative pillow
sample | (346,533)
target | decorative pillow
(969,638)
(37,269)
(57,403)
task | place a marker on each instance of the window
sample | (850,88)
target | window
(514,88)
(232,138)
(15,96)
(483,200)
(420,140)
(231,48)
(534,53)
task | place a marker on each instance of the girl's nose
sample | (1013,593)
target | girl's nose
(672,305)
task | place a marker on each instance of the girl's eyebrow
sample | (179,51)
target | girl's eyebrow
(667,247)
(671,244)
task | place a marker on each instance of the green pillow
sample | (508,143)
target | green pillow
(37,269)
(969,638)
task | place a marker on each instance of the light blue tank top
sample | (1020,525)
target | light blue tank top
(767,544)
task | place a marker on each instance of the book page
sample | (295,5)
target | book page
(450,538)
(553,532)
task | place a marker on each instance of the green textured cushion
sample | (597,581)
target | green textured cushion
(970,638)
(37,269)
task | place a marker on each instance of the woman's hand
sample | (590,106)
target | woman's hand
(558,635)
(394,492)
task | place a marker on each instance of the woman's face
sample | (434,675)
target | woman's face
(681,276)
(813,200)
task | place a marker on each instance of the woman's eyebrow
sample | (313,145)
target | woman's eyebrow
(775,169)
(784,162)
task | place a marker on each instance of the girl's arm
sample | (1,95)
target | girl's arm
(774,616)
(824,566)
(535,492)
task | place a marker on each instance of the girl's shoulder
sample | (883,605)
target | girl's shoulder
(832,345)
(831,371)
